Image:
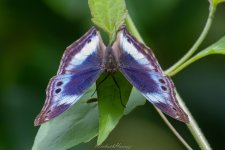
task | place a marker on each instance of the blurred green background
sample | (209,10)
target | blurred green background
(34,34)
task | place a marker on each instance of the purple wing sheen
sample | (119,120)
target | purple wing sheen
(80,67)
(140,67)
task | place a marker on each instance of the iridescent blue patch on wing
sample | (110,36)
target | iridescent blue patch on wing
(80,67)
(139,65)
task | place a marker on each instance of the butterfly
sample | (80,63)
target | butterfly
(87,58)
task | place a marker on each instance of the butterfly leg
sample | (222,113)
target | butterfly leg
(119,90)
(97,86)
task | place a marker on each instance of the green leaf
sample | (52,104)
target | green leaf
(216,48)
(216,2)
(110,108)
(108,14)
(78,124)
(135,99)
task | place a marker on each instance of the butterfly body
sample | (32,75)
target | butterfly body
(84,61)
(110,63)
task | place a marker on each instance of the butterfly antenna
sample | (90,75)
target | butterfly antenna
(97,86)
(119,91)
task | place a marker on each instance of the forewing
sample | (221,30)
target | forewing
(140,67)
(80,67)
(85,53)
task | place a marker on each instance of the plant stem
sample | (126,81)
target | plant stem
(198,56)
(192,126)
(135,32)
(188,62)
(197,43)
(132,28)
(173,130)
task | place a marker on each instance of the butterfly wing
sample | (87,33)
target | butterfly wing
(80,67)
(139,65)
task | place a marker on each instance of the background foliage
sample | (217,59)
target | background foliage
(34,34)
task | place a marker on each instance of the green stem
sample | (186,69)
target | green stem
(135,32)
(133,29)
(193,59)
(197,43)
(173,130)
(192,126)
(183,66)
(188,62)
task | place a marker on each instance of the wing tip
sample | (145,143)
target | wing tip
(93,29)
(174,111)
(182,116)
(179,114)
(123,28)
(37,122)
(40,119)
